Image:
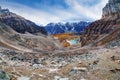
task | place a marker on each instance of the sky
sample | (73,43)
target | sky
(43,12)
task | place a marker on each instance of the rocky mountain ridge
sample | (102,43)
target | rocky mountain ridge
(112,10)
(19,23)
(106,29)
(58,28)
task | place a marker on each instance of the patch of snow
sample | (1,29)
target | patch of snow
(23,78)
(53,70)
(80,68)
(82,79)
(59,78)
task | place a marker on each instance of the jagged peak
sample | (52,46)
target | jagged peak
(2,11)
(111,10)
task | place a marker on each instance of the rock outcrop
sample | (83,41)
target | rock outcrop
(106,29)
(112,9)
(19,23)
(4,76)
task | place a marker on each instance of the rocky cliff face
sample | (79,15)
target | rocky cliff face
(19,23)
(106,29)
(112,9)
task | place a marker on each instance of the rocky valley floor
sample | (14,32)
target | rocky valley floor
(84,64)
(27,52)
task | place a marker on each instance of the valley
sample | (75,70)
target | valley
(57,51)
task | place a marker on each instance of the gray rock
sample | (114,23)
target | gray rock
(112,9)
(37,61)
(4,76)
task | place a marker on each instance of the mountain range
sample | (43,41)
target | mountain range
(24,35)
(75,27)
(23,25)
(28,53)
(96,33)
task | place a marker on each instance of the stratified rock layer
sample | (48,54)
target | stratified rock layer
(106,29)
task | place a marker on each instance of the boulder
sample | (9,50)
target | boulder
(4,76)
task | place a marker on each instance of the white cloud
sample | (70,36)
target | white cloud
(92,12)
(38,16)
(75,10)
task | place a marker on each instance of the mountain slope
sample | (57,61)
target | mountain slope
(106,29)
(19,23)
(24,42)
(65,28)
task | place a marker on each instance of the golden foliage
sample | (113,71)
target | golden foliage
(63,37)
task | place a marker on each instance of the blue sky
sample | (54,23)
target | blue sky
(43,12)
